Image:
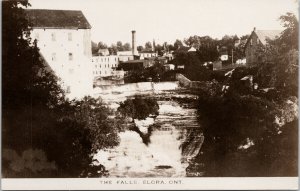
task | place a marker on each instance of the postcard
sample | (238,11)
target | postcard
(150,95)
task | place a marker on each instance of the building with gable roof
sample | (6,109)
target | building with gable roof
(258,38)
(64,40)
(103,52)
(185,49)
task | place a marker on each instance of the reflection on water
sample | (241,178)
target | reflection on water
(172,145)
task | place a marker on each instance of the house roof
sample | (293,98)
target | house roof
(150,58)
(132,61)
(146,51)
(124,53)
(103,50)
(263,35)
(45,18)
(185,49)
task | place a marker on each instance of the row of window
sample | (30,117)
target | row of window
(99,72)
(123,59)
(108,65)
(53,58)
(251,41)
(147,55)
(105,59)
(53,36)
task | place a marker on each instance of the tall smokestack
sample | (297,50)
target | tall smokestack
(134,48)
(153,45)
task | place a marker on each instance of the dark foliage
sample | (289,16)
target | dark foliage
(278,66)
(36,114)
(193,67)
(139,108)
(232,121)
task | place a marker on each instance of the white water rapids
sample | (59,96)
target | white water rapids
(164,156)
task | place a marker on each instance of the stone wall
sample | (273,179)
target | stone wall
(183,81)
(187,83)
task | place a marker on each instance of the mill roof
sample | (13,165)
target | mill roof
(45,18)
(263,35)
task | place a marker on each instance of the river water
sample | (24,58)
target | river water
(173,142)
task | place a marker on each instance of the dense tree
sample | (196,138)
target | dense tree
(120,46)
(193,66)
(169,47)
(159,49)
(278,65)
(127,46)
(30,92)
(193,41)
(19,54)
(113,49)
(227,43)
(139,108)
(36,114)
(148,46)
(208,49)
(94,48)
(253,133)
(140,48)
(289,37)
(155,72)
(178,43)
(101,45)
(241,138)
(239,50)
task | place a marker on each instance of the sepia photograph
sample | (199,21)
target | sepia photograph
(149,92)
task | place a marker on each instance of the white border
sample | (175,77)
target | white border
(262,183)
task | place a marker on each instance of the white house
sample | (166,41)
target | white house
(64,40)
(147,54)
(169,55)
(125,55)
(224,57)
(104,65)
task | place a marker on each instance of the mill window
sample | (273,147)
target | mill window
(70,36)
(53,37)
(70,56)
(53,56)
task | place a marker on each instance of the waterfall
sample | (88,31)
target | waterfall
(175,138)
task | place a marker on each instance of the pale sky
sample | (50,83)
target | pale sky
(168,20)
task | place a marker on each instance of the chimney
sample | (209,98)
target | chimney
(153,45)
(134,48)
(254,29)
